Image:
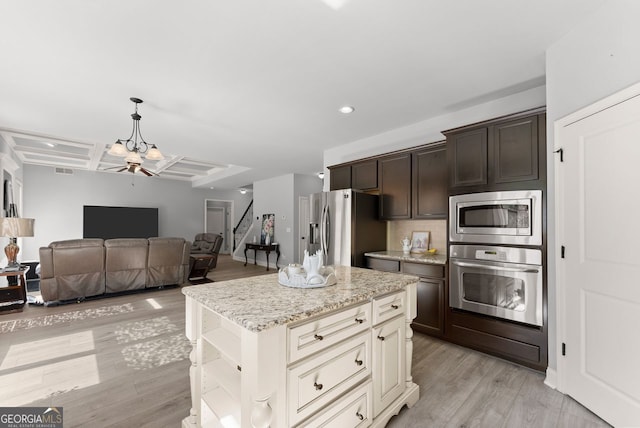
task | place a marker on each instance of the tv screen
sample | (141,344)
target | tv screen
(119,222)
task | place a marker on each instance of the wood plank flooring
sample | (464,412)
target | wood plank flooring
(123,362)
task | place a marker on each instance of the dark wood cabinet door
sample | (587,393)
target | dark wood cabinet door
(468,158)
(364,175)
(394,175)
(515,150)
(430,183)
(340,177)
(430,312)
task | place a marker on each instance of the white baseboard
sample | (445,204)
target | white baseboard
(552,378)
(263,263)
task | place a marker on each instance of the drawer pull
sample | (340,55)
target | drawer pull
(359,320)
(359,415)
(395,306)
(381,338)
(317,337)
(359,362)
(318,386)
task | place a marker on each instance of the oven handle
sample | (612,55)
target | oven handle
(508,269)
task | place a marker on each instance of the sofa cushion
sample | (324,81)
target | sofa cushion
(126,264)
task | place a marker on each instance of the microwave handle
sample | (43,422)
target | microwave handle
(507,269)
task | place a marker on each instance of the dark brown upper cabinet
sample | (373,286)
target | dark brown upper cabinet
(430,183)
(468,158)
(394,179)
(364,175)
(515,150)
(340,177)
(507,153)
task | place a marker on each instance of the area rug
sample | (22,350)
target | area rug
(65,317)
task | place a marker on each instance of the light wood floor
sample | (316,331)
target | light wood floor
(123,362)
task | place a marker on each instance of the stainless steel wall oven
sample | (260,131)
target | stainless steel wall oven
(505,282)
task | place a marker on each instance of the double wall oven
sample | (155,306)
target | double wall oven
(496,255)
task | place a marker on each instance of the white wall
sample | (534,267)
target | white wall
(279,196)
(275,196)
(596,59)
(56,202)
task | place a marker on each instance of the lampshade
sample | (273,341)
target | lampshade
(15,227)
(118,149)
(133,157)
(154,153)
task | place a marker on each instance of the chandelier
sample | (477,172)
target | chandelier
(134,146)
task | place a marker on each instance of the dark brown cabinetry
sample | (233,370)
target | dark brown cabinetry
(364,175)
(430,291)
(502,154)
(431,297)
(394,176)
(340,177)
(429,185)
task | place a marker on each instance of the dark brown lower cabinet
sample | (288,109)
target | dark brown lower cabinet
(520,343)
(430,316)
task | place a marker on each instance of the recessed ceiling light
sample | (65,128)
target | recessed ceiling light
(49,144)
(243,191)
(346,109)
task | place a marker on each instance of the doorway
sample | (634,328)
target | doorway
(218,217)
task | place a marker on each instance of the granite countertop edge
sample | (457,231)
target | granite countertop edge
(436,259)
(260,303)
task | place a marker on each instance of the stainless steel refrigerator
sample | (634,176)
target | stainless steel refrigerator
(344,224)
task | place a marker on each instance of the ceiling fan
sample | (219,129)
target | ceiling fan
(133,167)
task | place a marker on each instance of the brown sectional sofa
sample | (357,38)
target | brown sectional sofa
(79,268)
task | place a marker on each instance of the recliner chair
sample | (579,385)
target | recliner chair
(204,254)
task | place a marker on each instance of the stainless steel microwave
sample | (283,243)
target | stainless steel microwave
(510,217)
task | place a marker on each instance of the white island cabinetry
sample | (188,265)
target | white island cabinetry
(265,355)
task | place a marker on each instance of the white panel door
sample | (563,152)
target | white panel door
(388,363)
(599,278)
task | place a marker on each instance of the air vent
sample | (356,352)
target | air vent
(65,171)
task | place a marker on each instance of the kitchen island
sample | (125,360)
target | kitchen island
(269,355)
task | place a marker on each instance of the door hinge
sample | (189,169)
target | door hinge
(564,349)
(562,251)
(561,151)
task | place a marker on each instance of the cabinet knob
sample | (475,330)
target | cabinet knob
(395,306)
(381,338)
(360,415)
(359,362)
(359,321)
(318,386)
(317,337)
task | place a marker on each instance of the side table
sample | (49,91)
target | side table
(14,296)
(261,247)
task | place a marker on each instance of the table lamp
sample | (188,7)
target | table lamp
(14,227)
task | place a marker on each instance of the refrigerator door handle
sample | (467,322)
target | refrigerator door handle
(327,232)
(323,230)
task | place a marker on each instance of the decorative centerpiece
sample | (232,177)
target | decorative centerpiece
(312,274)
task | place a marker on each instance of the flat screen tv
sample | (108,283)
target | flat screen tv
(119,222)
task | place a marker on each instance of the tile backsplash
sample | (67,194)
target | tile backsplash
(398,229)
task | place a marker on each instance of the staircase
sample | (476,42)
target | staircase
(243,226)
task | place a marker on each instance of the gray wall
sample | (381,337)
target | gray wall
(279,196)
(594,60)
(56,202)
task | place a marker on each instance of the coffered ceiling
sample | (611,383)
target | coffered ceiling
(242,90)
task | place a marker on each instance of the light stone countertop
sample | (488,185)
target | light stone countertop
(259,303)
(436,259)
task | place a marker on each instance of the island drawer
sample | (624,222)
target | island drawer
(423,270)
(352,412)
(314,336)
(383,265)
(389,306)
(316,382)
